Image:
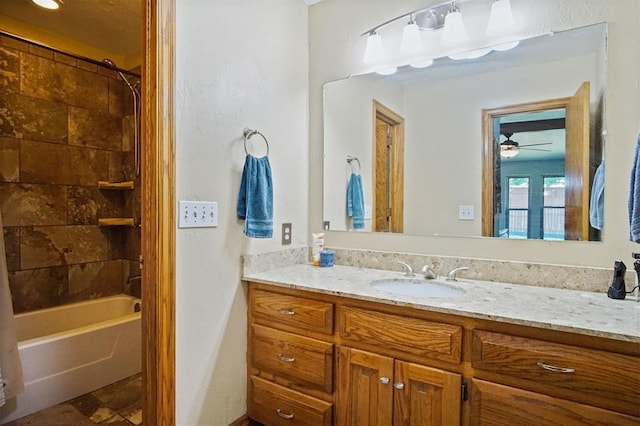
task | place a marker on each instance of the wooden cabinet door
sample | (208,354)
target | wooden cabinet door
(425,396)
(365,388)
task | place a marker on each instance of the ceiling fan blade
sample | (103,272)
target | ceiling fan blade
(536,144)
(536,149)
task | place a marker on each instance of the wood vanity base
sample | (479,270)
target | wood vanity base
(318,359)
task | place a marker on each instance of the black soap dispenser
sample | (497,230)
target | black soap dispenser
(618,290)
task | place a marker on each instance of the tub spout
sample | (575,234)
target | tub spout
(134,278)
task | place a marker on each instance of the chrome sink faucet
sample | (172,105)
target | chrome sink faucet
(407,268)
(451,276)
(429,273)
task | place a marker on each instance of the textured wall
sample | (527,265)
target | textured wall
(64,125)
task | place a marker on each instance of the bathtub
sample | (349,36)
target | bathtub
(73,349)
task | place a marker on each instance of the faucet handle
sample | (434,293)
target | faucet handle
(408,269)
(428,272)
(451,276)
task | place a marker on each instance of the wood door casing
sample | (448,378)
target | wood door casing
(429,396)
(576,160)
(362,398)
(384,118)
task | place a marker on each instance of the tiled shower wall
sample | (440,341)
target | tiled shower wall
(65,124)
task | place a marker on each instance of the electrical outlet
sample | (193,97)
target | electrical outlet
(198,214)
(465,212)
(286,234)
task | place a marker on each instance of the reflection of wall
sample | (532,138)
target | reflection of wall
(444,137)
(348,129)
(62,131)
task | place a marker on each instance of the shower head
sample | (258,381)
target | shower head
(109,63)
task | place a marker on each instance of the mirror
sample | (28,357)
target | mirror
(428,123)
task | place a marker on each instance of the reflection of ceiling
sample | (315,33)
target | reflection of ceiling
(555,138)
(109,25)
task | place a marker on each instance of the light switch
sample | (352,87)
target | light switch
(198,214)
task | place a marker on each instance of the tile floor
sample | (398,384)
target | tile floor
(119,404)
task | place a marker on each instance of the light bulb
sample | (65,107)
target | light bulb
(454,33)
(411,44)
(374,53)
(47,4)
(501,20)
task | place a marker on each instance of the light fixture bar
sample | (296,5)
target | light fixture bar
(441,5)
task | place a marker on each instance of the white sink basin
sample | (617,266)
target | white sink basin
(417,288)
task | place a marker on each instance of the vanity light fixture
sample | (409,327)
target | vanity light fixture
(454,33)
(49,4)
(455,42)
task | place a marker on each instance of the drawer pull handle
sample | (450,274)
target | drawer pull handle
(286,312)
(285,358)
(384,380)
(554,368)
(284,415)
(398,385)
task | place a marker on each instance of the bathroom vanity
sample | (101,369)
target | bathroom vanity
(326,348)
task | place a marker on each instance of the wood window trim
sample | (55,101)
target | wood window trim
(158,213)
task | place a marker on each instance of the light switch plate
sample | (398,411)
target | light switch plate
(367,211)
(465,213)
(198,214)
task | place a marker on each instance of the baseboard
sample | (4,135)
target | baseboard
(242,421)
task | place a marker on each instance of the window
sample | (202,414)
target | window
(553,208)
(518,218)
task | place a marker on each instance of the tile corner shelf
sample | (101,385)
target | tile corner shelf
(115,185)
(116,221)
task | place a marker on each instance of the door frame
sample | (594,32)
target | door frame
(158,213)
(489,156)
(396,201)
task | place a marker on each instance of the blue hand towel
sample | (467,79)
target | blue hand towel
(255,198)
(634,196)
(596,205)
(355,201)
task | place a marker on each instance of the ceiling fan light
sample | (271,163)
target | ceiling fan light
(48,4)
(509,151)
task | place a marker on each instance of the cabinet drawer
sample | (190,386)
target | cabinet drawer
(493,404)
(276,405)
(275,309)
(303,361)
(586,371)
(410,335)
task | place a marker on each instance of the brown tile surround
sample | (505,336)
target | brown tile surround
(65,124)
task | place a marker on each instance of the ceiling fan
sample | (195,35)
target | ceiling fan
(511,148)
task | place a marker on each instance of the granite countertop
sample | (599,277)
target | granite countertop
(574,311)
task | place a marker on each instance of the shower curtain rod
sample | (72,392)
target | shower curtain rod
(73,55)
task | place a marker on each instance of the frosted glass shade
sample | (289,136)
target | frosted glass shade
(422,63)
(374,53)
(509,151)
(454,33)
(411,44)
(501,20)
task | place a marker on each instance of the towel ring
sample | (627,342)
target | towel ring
(248,133)
(350,160)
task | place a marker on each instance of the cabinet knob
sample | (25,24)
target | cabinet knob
(384,380)
(398,385)
(284,415)
(285,358)
(286,312)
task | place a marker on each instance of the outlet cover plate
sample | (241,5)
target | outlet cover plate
(465,213)
(286,234)
(198,214)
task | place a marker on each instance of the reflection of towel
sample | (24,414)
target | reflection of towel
(255,198)
(596,206)
(634,196)
(355,201)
